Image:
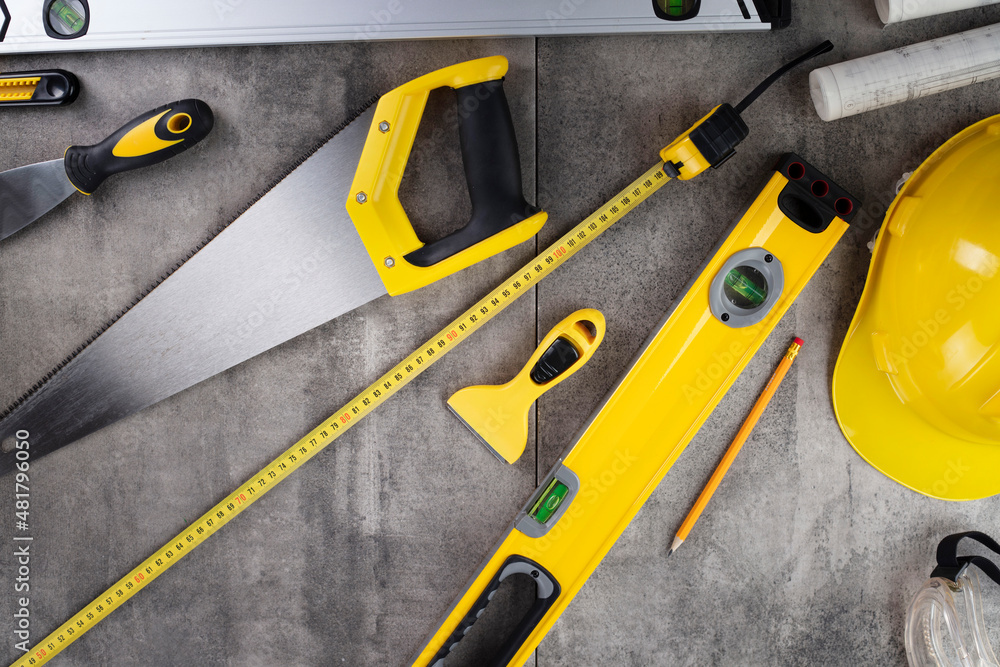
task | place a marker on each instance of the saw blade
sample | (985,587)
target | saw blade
(290,262)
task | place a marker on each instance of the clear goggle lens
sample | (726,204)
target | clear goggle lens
(944,625)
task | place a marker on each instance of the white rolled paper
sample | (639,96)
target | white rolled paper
(894,11)
(907,73)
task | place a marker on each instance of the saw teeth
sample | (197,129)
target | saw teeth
(38,385)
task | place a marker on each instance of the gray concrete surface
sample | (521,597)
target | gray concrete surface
(806,556)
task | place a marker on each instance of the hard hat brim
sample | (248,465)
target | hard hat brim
(897,441)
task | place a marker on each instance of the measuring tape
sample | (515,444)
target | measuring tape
(362,404)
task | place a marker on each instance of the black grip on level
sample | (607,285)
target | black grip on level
(810,199)
(181,125)
(492,170)
(547,589)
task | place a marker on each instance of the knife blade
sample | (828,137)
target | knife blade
(27,193)
(294,259)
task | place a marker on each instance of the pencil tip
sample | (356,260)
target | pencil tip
(676,543)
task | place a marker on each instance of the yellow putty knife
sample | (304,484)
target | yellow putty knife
(498,414)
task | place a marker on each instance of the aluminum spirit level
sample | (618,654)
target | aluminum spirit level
(33,26)
(681,374)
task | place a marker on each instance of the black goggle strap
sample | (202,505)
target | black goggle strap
(950,564)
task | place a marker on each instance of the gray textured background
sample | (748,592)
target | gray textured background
(805,556)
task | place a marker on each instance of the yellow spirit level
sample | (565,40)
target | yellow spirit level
(681,374)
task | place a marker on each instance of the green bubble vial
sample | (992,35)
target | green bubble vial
(745,287)
(548,501)
(66,17)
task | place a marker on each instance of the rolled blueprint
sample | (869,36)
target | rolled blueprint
(894,11)
(906,73)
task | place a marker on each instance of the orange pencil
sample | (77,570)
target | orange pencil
(734,449)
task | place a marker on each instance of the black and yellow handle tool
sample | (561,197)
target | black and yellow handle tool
(147,140)
(498,414)
(54,87)
(370,398)
(684,370)
(27,193)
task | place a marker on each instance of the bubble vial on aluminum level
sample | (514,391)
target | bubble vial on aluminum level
(676,8)
(67,17)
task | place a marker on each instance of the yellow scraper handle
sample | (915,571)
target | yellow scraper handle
(501,217)
(498,415)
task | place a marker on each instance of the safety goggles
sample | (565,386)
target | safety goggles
(944,624)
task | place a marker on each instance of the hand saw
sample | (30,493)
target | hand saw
(683,371)
(206,316)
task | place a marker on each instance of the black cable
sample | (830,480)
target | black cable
(766,83)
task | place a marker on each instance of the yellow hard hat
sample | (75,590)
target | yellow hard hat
(916,389)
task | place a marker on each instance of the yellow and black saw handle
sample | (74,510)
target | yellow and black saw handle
(501,216)
(147,140)
(492,171)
